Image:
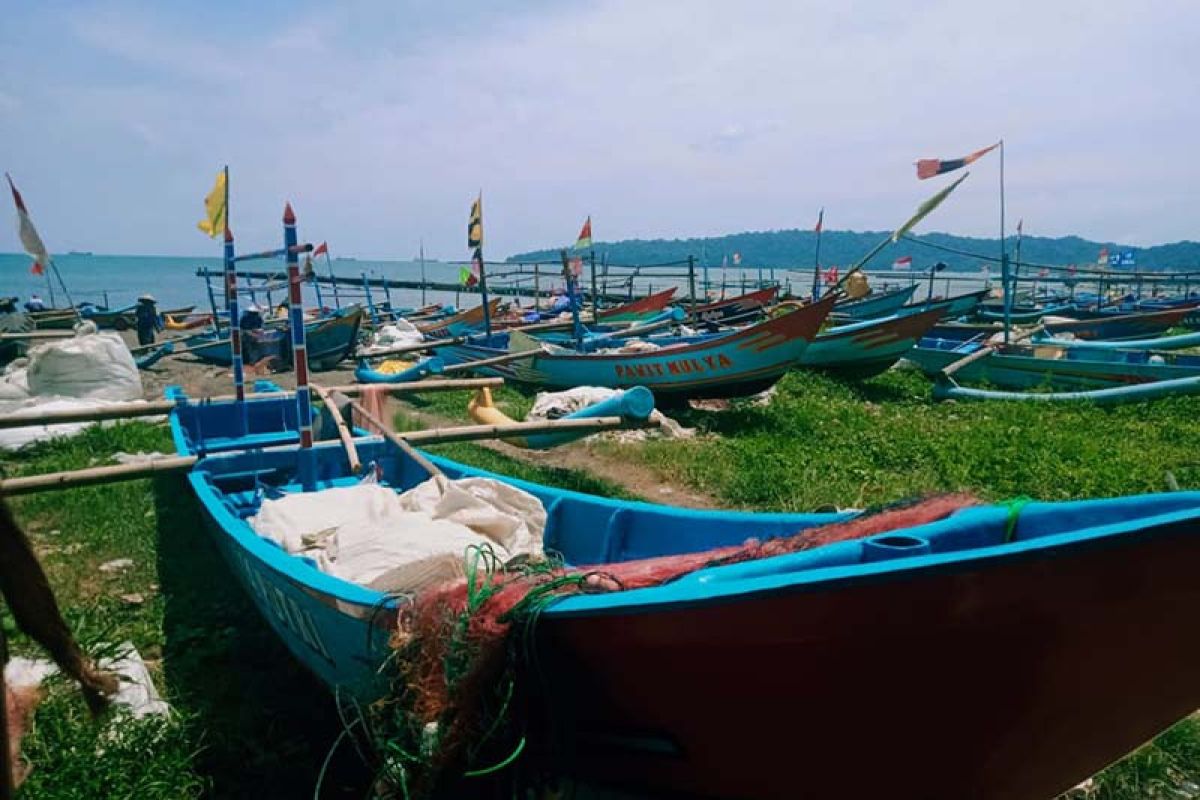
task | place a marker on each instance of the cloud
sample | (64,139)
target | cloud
(685,117)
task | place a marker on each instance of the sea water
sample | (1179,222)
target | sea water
(117,281)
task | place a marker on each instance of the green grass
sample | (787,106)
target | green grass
(824,442)
(248,721)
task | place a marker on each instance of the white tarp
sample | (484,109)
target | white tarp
(370,535)
(88,371)
(397,334)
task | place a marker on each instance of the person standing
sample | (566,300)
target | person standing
(148,322)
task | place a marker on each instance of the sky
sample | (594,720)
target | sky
(380,120)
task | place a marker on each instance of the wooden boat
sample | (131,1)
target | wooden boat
(186,323)
(458,324)
(739,363)
(329,340)
(743,307)
(1021,316)
(856,350)
(867,348)
(1003,638)
(1020,366)
(877,304)
(1179,342)
(1099,325)
(961,305)
(637,310)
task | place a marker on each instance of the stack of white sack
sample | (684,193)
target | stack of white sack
(400,333)
(372,536)
(83,373)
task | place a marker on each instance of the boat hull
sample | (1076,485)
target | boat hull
(735,308)
(1017,680)
(734,365)
(877,305)
(1103,326)
(329,341)
(1023,368)
(868,348)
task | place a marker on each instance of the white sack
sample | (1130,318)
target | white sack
(370,535)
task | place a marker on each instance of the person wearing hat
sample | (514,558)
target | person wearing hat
(34,303)
(251,318)
(148,322)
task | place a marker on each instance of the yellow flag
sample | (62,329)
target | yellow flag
(926,208)
(475,224)
(214,208)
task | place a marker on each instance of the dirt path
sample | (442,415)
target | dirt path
(583,457)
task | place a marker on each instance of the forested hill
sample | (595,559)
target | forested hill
(794,248)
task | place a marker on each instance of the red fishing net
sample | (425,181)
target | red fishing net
(452,641)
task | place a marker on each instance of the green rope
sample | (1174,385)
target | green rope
(513,756)
(1014,511)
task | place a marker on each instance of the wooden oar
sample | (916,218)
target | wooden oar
(468,433)
(343,430)
(406,448)
(21,419)
(983,352)
(490,362)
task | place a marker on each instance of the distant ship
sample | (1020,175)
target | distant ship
(79,252)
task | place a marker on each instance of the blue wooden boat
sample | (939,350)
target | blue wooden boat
(1003,638)
(878,304)
(1101,325)
(741,308)
(734,364)
(1022,366)
(330,340)
(1022,316)
(953,307)
(1183,340)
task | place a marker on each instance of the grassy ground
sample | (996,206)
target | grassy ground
(250,723)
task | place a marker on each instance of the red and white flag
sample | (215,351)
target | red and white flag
(29,236)
(322,249)
(831,275)
(576,267)
(904,262)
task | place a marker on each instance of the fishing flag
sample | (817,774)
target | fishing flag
(737,259)
(904,262)
(928,167)
(926,208)
(475,224)
(1044,273)
(577,267)
(1020,226)
(466,277)
(831,275)
(322,249)
(215,222)
(1103,257)
(585,236)
(29,236)
(724,262)
(820,221)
